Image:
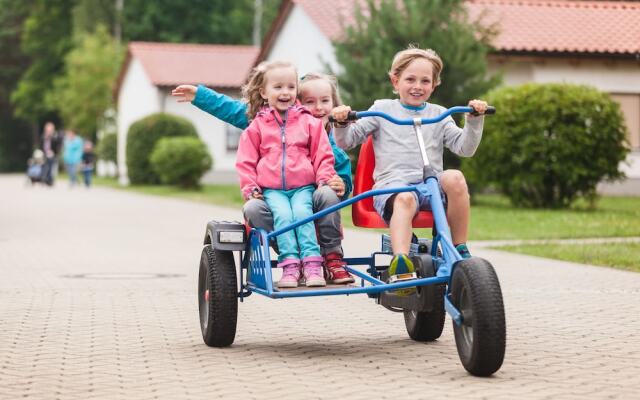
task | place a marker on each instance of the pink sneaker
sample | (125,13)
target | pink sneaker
(290,273)
(312,270)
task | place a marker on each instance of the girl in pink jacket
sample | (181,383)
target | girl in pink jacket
(281,156)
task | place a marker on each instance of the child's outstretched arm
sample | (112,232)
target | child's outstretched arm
(464,142)
(348,137)
(247,163)
(219,105)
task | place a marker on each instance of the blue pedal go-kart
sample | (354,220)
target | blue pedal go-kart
(467,289)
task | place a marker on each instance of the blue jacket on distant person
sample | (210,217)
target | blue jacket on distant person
(72,151)
(234,112)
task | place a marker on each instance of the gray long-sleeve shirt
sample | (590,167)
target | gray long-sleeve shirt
(398,158)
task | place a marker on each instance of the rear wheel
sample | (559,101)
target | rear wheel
(217,297)
(425,326)
(481,338)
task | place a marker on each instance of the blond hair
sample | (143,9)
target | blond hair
(330,79)
(256,82)
(403,58)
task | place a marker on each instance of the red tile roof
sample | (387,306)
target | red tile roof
(534,26)
(601,27)
(169,64)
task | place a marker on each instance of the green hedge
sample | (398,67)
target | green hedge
(549,144)
(181,161)
(143,136)
(107,148)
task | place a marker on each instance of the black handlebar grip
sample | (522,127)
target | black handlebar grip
(352,116)
(490,110)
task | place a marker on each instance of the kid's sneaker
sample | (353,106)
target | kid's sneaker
(312,271)
(400,265)
(463,250)
(334,269)
(290,274)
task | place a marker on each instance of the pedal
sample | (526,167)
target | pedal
(402,277)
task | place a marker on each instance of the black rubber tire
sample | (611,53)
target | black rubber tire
(481,338)
(218,313)
(426,326)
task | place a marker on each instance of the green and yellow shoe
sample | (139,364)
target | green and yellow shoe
(401,268)
(464,251)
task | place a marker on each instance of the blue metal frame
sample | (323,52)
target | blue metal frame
(258,263)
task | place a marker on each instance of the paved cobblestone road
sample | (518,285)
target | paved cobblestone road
(572,329)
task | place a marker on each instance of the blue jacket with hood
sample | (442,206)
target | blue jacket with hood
(234,112)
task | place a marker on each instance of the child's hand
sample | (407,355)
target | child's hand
(479,106)
(256,194)
(185,92)
(337,184)
(341,113)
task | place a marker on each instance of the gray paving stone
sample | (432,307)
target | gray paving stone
(572,329)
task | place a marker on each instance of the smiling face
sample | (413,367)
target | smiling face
(415,83)
(317,96)
(280,88)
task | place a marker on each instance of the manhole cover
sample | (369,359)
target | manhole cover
(129,275)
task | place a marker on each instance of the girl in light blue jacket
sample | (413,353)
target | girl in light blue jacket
(72,154)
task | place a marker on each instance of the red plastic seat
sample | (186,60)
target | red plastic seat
(362,212)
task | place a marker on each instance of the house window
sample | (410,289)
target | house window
(233,137)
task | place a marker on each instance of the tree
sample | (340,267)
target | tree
(196,21)
(84,92)
(46,40)
(384,27)
(88,15)
(15,141)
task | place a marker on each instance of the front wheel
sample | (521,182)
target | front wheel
(217,297)
(481,338)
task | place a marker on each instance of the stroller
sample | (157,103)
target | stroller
(35,167)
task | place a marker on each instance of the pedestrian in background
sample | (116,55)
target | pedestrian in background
(72,155)
(88,162)
(51,141)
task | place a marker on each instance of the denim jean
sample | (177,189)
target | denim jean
(288,206)
(258,215)
(86,174)
(48,170)
(72,171)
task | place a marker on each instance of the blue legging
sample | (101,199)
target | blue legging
(288,206)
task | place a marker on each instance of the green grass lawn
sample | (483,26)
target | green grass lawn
(493,218)
(617,255)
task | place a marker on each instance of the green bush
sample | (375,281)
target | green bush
(549,145)
(181,160)
(143,136)
(107,148)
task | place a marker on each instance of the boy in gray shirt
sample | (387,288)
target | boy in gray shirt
(414,74)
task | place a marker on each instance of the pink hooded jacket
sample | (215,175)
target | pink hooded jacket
(283,155)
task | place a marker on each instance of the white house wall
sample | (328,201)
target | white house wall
(138,98)
(301,42)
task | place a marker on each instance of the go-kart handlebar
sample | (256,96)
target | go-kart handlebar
(354,115)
